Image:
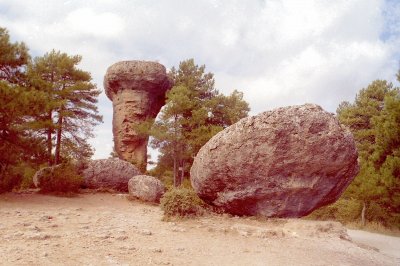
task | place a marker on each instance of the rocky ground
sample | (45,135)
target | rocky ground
(107,229)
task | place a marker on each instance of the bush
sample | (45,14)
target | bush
(181,202)
(17,176)
(61,178)
(8,181)
(26,172)
(343,210)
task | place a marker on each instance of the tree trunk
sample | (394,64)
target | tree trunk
(363,214)
(49,141)
(58,143)
(183,172)
(175,149)
(175,170)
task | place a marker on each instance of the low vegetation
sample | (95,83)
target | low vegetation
(181,202)
(62,178)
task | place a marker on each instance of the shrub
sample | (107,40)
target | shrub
(181,202)
(343,210)
(8,181)
(61,178)
(26,172)
(17,176)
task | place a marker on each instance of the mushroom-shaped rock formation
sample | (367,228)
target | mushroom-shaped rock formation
(137,90)
(282,163)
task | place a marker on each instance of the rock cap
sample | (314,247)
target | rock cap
(136,75)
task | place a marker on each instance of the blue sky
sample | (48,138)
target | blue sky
(276,52)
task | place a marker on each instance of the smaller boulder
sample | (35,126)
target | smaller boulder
(146,188)
(109,173)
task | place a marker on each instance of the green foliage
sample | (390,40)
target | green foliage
(194,112)
(374,119)
(18,176)
(73,112)
(181,202)
(62,178)
(343,210)
(8,180)
(13,59)
(359,116)
(19,107)
(45,103)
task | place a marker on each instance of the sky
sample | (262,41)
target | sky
(276,52)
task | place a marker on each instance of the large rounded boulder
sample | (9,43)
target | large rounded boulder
(108,174)
(281,163)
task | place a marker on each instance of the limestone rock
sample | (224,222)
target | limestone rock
(282,163)
(146,188)
(137,90)
(108,173)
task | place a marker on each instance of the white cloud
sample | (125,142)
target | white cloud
(278,52)
(87,22)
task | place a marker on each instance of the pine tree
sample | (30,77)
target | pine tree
(13,59)
(19,106)
(73,112)
(194,112)
(374,119)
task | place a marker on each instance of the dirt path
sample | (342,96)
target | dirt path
(388,245)
(106,229)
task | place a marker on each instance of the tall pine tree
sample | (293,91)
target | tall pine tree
(19,107)
(73,98)
(374,119)
(194,112)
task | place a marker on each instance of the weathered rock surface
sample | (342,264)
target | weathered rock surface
(146,188)
(282,163)
(137,90)
(109,173)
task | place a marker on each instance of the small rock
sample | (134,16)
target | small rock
(121,196)
(177,229)
(46,218)
(145,232)
(122,238)
(156,250)
(105,236)
(39,236)
(35,228)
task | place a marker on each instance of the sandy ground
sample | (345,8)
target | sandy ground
(389,245)
(107,229)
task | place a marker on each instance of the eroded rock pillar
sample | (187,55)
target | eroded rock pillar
(137,90)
